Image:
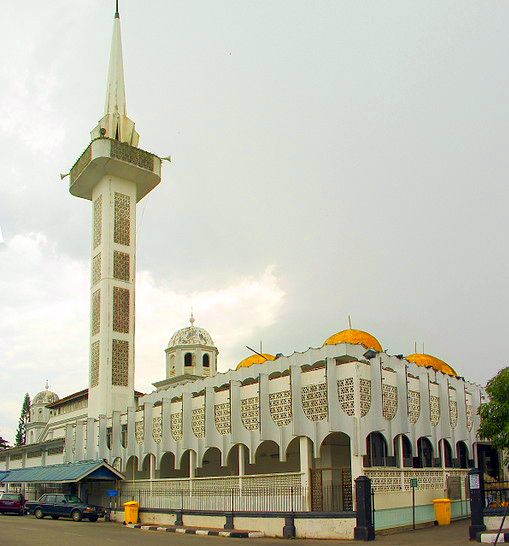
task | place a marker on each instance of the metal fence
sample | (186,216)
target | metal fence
(257,499)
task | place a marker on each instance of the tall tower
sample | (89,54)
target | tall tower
(114,174)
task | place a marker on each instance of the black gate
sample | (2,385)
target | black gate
(331,490)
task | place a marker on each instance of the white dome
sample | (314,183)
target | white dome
(45,397)
(191,335)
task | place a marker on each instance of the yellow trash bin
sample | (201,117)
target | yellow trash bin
(442,511)
(131,512)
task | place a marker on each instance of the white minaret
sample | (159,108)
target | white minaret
(114,174)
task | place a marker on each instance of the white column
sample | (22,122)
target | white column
(241,451)
(192,470)
(305,466)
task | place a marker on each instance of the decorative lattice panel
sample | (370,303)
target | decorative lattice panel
(96,268)
(139,432)
(198,422)
(346,395)
(414,406)
(176,425)
(94,364)
(434,410)
(122,224)
(125,152)
(390,401)
(250,412)
(280,407)
(386,481)
(121,310)
(157,423)
(96,312)
(314,401)
(453,413)
(222,417)
(121,265)
(97,222)
(470,416)
(365,396)
(120,362)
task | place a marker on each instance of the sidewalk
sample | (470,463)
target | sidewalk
(455,534)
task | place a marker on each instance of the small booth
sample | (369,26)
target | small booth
(92,481)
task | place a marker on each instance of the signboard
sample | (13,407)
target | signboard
(413,482)
(474,481)
(111,493)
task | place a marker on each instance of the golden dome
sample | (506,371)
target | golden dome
(355,337)
(432,362)
(254,359)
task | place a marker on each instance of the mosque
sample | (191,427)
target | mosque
(274,434)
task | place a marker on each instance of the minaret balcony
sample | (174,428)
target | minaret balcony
(106,156)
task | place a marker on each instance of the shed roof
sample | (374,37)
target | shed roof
(64,473)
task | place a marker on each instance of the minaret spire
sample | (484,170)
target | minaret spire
(115,123)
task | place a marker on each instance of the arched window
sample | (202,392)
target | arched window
(402,446)
(376,449)
(445,453)
(424,457)
(188,359)
(206,360)
(462,454)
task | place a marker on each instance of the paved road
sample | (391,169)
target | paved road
(28,531)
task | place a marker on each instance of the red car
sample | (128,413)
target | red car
(13,503)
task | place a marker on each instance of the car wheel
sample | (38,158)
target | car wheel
(93,518)
(76,515)
(54,517)
(38,513)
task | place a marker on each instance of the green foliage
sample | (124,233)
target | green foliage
(4,444)
(21,433)
(495,413)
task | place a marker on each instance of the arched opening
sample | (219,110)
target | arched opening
(211,464)
(167,466)
(188,359)
(332,476)
(206,360)
(131,468)
(424,457)
(234,462)
(267,460)
(123,435)
(187,458)
(117,464)
(376,450)
(148,467)
(462,454)
(172,365)
(109,437)
(445,451)
(403,451)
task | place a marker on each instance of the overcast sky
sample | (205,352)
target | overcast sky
(329,158)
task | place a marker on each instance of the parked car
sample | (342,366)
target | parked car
(58,505)
(12,503)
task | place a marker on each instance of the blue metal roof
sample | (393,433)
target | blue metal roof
(2,475)
(61,473)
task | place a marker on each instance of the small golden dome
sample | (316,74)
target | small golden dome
(355,337)
(429,361)
(254,359)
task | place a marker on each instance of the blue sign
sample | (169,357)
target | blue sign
(111,493)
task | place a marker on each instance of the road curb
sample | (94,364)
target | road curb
(203,532)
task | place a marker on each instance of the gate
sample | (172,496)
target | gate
(331,490)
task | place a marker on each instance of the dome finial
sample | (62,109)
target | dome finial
(350,322)
(191,319)
(47,385)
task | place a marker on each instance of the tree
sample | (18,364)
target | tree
(21,433)
(4,444)
(495,413)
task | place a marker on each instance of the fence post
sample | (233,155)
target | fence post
(289,528)
(229,517)
(364,529)
(476,487)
